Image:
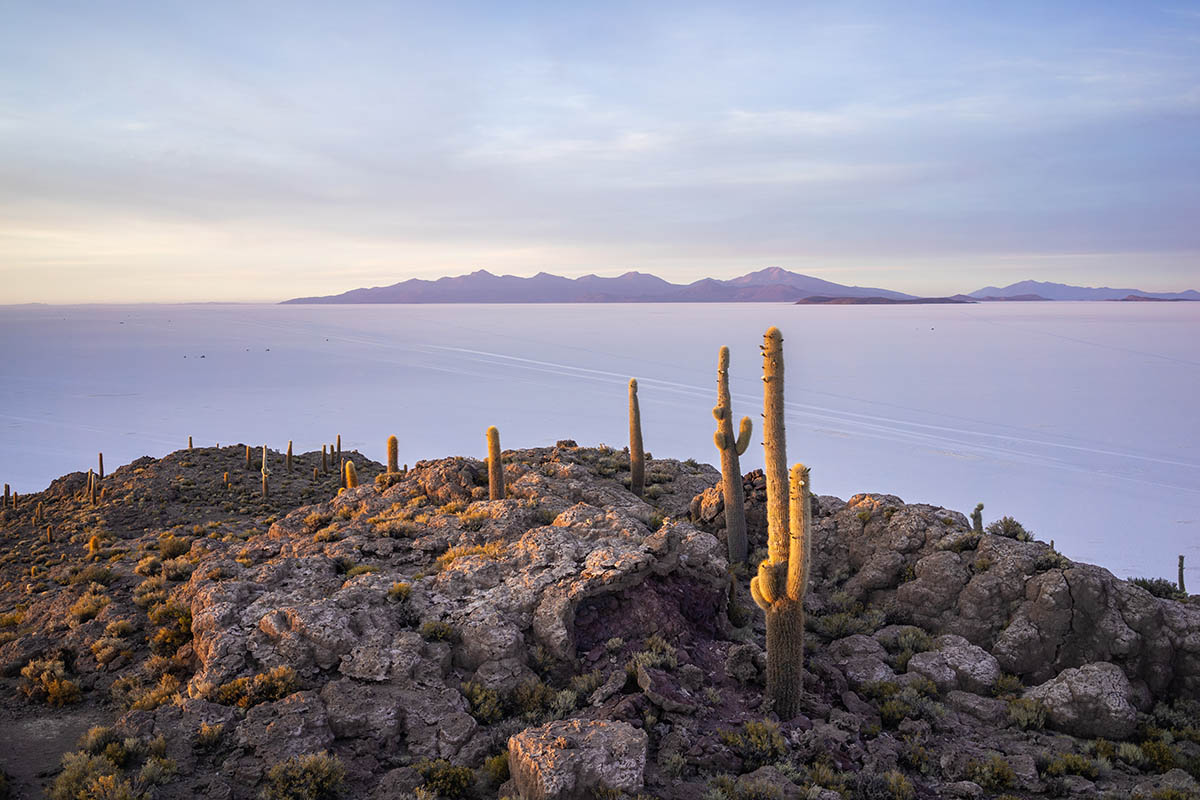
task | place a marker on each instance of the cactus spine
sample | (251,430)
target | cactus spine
(265,472)
(731,471)
(1181,586)
(637,456)
(102,466)
(778,589)
(289,456)
(495,466)
(351,477)
(977,519)
(393,453)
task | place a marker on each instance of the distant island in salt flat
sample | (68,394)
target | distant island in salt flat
(770,285)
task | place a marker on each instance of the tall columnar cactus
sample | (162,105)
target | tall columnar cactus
(495,466)
(775,444)
(351,477)
(7,495)
(265,472)
(977,519)
(778,589)
(731,471)
(189,443)
(289,456)
(248,457)
(1182,588)
(324,460)
(393,453)
(339,446)
(637,455)
(101,466)
(226,480)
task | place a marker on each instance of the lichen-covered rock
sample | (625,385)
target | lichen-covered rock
(573,759)
(1094,700)
(957,664)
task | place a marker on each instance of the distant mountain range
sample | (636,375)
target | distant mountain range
(770,285)
(1061,291)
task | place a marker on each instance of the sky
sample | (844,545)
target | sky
(254,151)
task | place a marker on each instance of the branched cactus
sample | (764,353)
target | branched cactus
(351,477)
(731,471)
(393,453)
(265,472)
(495,466)
(637,455)
(977,519)
(778,589)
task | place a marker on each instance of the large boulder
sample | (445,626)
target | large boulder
(575,759)
(1095,700)
(957,664)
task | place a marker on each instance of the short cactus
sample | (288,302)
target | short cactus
(226,480)
(977,519)
(637,455)
(265,472)
(393,455)
(495,465)
(351,477)
(731,471)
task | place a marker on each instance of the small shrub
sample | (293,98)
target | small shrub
(437,631)
(177,569)
(361,569)
(157,770)
(163,692)
(1007,686)
(993,775)
(175,621)
(495,768)
(485,704)
(1160,587)
(80,776)
(209,736)
(46,679)
(1131,754)
(1027,713)
(491,550)
(758,743)
(316,776)
(530,699)
(1051,560)
(89,605)
(445,779)
(1072,764)
(1010,529)
(1159,755)
(316,520)
(614,645)
(262,688)
(400,592)
(149,565)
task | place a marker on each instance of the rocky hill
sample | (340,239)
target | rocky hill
(181,637)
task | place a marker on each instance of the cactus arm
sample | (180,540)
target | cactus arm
(744,432)
(720,440)
(799,544)
(756,593)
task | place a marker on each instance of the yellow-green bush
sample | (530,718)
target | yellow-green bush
(316,776)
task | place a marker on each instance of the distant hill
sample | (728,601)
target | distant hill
(1062,291)
(773,284)
(821,300)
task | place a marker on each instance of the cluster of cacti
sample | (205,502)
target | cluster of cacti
(265,472)
(350,477)
(495,466)
(637,455)
(779,587)
(731,471)
(393,455)
(977,519)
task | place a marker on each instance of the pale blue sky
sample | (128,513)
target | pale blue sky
(263,150)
